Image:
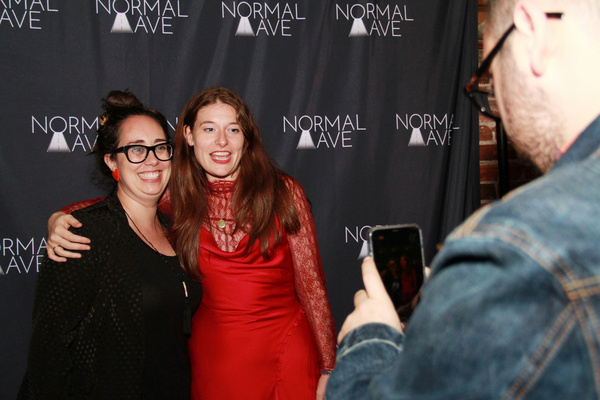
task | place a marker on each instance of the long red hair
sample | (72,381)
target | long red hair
(260,198)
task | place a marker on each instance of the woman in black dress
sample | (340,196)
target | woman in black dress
(113,323)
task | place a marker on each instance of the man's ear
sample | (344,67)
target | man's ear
(532,24)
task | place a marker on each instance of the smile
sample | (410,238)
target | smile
(149,175)
(221,157)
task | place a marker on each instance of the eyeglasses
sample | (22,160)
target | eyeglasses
(137,153)
(484,100)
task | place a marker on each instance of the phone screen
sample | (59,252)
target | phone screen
(398,253)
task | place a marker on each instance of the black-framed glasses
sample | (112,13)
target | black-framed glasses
(137,153)
(484,100)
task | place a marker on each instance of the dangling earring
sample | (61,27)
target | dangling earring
(115,174)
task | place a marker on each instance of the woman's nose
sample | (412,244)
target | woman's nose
(151,158)
(221,138)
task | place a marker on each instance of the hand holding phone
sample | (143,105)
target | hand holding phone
(398,254)
(371,305)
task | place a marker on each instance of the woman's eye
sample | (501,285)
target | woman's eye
(136,149)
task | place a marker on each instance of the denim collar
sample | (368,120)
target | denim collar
(586,144)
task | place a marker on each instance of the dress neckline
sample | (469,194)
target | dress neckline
(222,185)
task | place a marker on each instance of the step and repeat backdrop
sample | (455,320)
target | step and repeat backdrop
(360,101)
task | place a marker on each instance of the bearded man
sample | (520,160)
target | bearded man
(511,309)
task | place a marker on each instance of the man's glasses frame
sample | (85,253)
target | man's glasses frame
(127,149)
(480,98)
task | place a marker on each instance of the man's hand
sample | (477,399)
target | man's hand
(372,304)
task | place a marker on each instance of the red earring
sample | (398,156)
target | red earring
(115,174)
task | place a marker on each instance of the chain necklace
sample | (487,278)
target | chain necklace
(187,312)
(143,236)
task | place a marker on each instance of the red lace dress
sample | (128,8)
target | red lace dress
(264,328)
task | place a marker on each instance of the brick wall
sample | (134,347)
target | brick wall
(519,171)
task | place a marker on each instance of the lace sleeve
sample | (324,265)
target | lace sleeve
(310,279)
(81,204)
(164,204)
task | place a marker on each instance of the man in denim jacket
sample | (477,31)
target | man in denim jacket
(511,309)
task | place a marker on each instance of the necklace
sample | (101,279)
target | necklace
(140,232)
(187,312)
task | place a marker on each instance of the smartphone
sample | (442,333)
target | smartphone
(398,253)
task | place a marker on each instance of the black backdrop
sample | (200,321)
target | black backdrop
(360,101)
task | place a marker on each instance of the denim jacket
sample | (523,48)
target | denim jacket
(512,307)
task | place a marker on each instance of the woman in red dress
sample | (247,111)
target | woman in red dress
(264,329)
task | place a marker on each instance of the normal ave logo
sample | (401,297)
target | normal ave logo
(25,14)
(359,235)
(262,19)
(70,133)
(374,19)
(142,16)
(427,129)
(324,131)
(21,256)
(81,131)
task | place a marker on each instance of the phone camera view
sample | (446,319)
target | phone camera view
(398,254)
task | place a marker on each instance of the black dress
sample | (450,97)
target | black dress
(111,324)
(167,318)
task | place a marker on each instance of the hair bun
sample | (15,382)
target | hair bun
(117,99)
